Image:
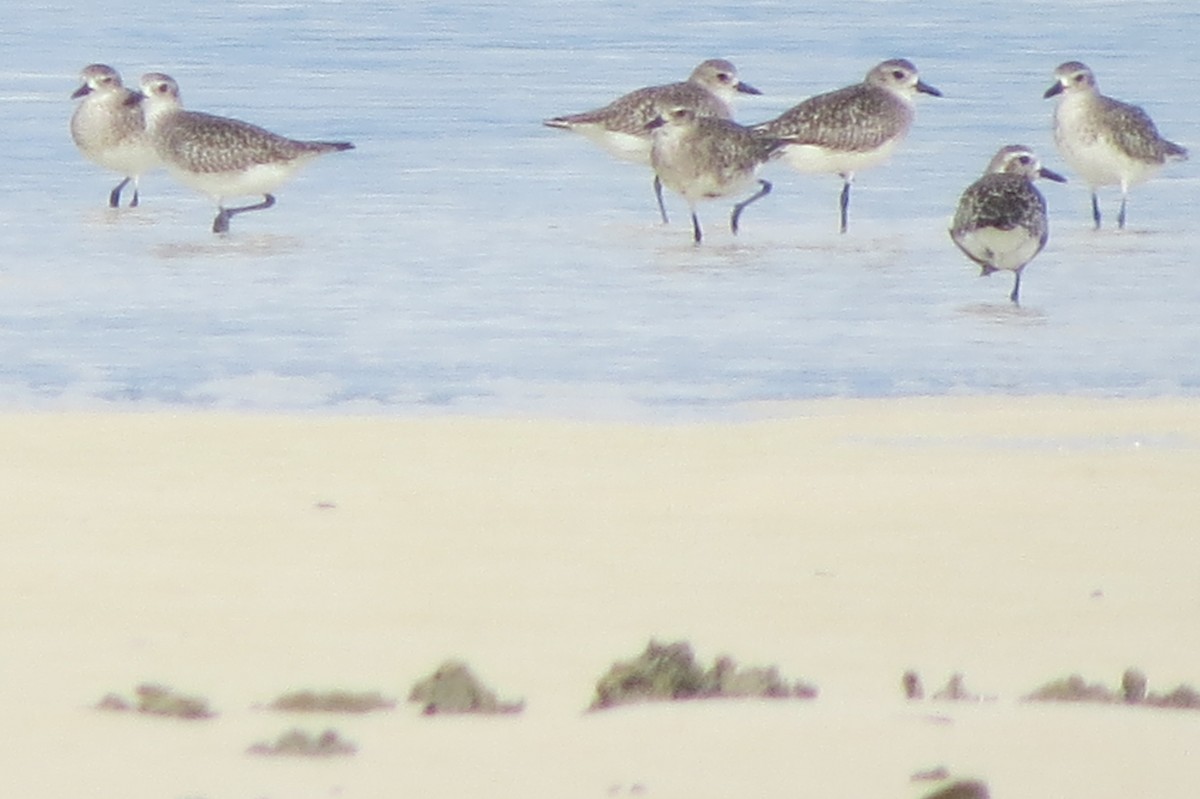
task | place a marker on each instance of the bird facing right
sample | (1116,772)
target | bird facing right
(846,131)
(620,127)
(1001,218)
(1106,141)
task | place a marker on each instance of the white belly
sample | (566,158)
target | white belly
(1091,153)
(111,139)
(255,181)
(690,170)
(625,146)
(696,188)
(1002,249)
(818,160)
(131,158)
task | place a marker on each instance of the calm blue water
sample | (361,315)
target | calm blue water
(464,259)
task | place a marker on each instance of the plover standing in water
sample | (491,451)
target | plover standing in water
(703,158)
(620,126)
(1001,218)
(1106,141)
(219,156)
(846,131)
(109,128)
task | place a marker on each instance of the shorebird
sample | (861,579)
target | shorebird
(1001,218)
(1106,141)
(219,156)
(703,158)
(620,127)
(846,131)
(109,128)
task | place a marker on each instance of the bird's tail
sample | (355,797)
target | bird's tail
(1174,152)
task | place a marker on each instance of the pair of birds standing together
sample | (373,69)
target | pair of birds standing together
(1001,222)
(131,132)
(686,133)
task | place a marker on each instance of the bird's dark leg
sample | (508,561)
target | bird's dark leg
(1096,210)
(221,223)
(696,235)
(134,202)
(1016,292)
(1121,213)
(114,197)
(845,203)
(737,209)
(662,208)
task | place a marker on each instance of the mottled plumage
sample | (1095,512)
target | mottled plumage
(109,128)
(208,144)
(846,131)
(855,119)
(1001,222)
(704,158)
(620,127)
(219,156)
(1106,141)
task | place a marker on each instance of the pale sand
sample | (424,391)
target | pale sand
(236,557)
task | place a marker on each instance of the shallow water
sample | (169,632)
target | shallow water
(465,259)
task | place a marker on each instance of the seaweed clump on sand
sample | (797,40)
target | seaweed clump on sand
(961,789)
(1185,697)
(1132,691)
(454,688)
(332,702)
(1072,689)
(158,700)
(298,743)
(665,672)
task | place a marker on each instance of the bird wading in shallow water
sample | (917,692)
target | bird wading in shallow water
(704,158)
(1000,222)
(109,128)
(620,127)
(219,156)
(852,129)
(1106,141)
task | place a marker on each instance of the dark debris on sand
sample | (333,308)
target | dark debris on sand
(454,688)
(666,672)
(298,743)
(158,700)
(1132,691)
(961,789)
(955,689)
(332,702)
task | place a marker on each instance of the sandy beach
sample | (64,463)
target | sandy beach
(235,557)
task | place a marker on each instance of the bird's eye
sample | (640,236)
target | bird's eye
(898,75)
(724,77)
(1025,160)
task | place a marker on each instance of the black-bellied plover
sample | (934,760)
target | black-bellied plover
(846,131)
(1106,141)
(620,126)
(219,156)
(703,158)
(109,128)
(1001,218)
